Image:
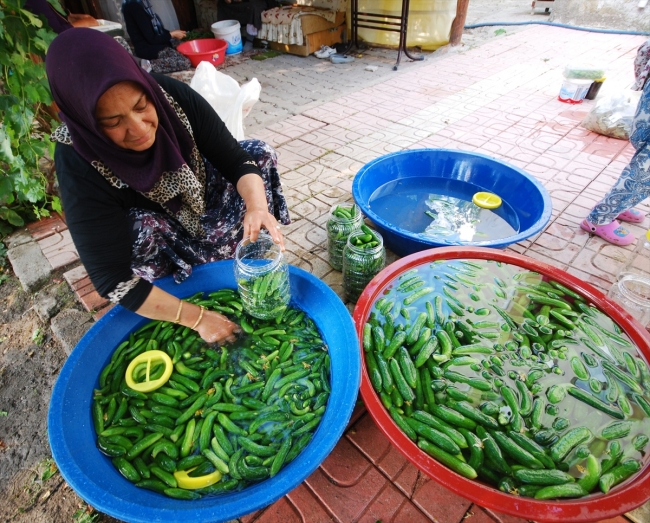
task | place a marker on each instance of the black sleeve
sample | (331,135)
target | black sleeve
(144,38)
(96,214)
(211,135)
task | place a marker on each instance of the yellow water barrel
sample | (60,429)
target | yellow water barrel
(428,27)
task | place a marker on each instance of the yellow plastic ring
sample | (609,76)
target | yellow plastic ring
(487,200)
(187,482)
(148,357)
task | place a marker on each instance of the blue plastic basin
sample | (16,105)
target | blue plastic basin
(524,194)
(92,475)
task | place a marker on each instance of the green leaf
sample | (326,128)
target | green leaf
(11,216)
(33,19)
(5,147)
(56,204)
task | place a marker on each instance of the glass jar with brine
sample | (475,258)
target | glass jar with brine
(364,257)
(262,277)
(343,220)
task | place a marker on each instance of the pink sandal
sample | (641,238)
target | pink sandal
(612,232)
(632,216)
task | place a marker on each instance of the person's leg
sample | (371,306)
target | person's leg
(162,246)
(169,61)
(632,187)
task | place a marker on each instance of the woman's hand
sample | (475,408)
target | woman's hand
(255,219)
(82,20)
(251,188)
(178,34)
(211,326)
(216,328)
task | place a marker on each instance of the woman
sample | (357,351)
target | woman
(151,40)
(633,186)
(151,180)
(57,20)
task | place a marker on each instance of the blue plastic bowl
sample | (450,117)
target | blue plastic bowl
(524,194)
(92,475)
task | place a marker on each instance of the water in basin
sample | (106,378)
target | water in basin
(442,209)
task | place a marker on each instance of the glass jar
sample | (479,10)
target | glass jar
(633,294)
(361,263)
(339,227)
(262,277)
(639,262)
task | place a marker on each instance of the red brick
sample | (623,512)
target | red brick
(92,301)
(440,504)
(280,512)
(368,439)
(504,518)
(346,504)
(409,512)
(75,275)
(83,286)
(392,463)
(101,312)
(307,506)
(384,506)
(476,514)
(248,518)
(408,479)
(359,410)
(46,227)
(345,465)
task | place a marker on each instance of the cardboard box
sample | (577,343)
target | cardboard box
(314,23)
(313,42)
(318,32)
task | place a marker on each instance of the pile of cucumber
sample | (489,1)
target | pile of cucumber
(507,377)
(236,414)
(267,295)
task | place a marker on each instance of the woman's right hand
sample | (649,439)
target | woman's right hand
(216,328)
(178,34)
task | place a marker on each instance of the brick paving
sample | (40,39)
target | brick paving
(499,99)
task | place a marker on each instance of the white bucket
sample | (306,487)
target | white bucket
(574,91)
(229,30)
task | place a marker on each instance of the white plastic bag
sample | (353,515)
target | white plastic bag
(612,115)
(231,102)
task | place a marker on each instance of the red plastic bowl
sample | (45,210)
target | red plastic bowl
(592,508)
(211,50)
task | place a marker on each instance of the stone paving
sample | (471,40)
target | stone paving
(499,99)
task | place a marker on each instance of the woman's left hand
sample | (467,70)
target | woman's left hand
(255,219)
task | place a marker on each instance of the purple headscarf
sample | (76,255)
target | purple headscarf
(84,63)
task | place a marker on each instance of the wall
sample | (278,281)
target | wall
(206,12)
(609,14)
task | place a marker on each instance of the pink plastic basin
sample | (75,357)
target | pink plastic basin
(595,507)
(211,50)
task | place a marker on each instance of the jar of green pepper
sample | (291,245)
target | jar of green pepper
(262,277)
(364,257)
(343,220)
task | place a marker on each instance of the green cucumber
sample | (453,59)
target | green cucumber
(543,477)
(568,441)
(447,459)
